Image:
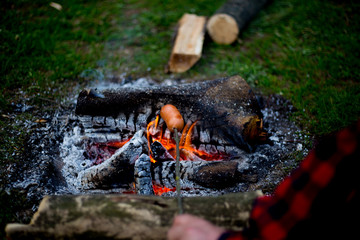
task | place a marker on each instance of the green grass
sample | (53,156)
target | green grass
(306,50)
(43,48)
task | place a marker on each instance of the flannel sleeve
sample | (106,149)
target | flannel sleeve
(318,200)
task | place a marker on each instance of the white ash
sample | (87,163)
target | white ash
(78,170)
(72,153)
(143,180)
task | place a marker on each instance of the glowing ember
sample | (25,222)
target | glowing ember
(158,190)
(132,190)
(187,150)
(101,151)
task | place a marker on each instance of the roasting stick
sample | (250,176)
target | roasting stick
(175,122)
(177,172)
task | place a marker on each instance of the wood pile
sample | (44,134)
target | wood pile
(223,27)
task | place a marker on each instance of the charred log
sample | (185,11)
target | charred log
(159,152)
(204,98)
(126,216)
(217,174)
(225,105)
(118,168)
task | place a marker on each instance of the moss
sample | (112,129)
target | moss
(91,201)
(111,210)
(63,202)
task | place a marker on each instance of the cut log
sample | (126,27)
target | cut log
(225,25)
(188,43)
(126,216)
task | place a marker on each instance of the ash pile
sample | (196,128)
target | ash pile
(233,141)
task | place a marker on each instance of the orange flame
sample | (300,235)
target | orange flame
(158,190)
(187,151)
(117,144)
(101,151)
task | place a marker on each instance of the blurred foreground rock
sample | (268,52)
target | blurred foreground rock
(126,216)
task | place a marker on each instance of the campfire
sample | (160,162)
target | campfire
(162,146)
(122,143)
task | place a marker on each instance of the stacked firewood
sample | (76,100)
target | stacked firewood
(223,27)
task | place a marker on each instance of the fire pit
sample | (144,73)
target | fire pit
(120,143)
(232,142)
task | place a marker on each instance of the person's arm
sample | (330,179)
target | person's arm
(317,199)
(323,189)
(188,227)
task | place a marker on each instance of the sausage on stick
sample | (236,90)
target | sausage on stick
(172,117)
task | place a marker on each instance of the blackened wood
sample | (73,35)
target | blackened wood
(217,174)
(227,105)
(203,98)
(118,168)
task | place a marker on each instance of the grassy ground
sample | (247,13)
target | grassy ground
(306,50)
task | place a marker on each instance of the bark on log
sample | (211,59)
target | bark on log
(225,25)
(188,43)
(126,216)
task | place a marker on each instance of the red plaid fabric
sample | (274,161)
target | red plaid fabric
(319,200)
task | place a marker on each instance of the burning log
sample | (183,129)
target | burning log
(188,43)
(217,174)
(214,175)
(126,216)
(118,167)
(164,173)
(160,153)
(225,107)
(225,25)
